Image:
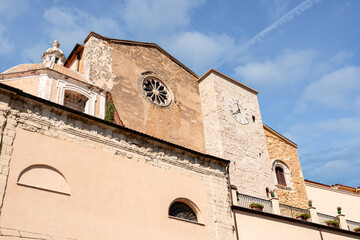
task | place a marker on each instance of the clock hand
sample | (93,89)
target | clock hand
(238,111)
(238,107)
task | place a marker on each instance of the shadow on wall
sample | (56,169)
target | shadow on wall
(44,178)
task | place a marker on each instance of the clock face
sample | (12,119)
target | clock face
(239,111)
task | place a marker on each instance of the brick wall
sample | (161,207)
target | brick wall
(281,149)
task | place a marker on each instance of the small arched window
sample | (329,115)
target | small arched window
(183,211)
(280,176)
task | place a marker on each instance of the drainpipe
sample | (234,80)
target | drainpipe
(231,201)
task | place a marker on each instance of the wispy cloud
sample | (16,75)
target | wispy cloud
(337,89)
(146,18)
(200,50)
(6,46)
(288,67)
(284,19)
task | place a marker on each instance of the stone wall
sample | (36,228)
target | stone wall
(243,145)
(282,149)
(118,67)
(35,116)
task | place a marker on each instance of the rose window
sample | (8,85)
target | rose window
(156,91)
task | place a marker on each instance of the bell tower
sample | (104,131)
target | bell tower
(234,131)
(54,55)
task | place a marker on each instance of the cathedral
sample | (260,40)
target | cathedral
(120,140)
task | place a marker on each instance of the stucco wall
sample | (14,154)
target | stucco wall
(281,150)
(243,145)
(120,184)
(326,200)
(28,84)
(180,123)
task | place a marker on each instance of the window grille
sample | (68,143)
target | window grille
(182,211)
(75,101)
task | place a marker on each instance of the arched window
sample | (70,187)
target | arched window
(183,211)
(280,176)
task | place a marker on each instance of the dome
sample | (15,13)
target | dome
(28,67)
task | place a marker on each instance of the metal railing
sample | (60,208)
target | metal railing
(246,200)
(324,217)
(292,212)
(352,225)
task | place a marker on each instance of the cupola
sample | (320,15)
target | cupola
(54,54)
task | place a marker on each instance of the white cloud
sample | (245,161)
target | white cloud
(290,66)
(13,9)
(6,47)
(275,8)
(341,56)
(198,50)
(313,130)
(289,16)
(70,26)
(33,55)
(154,16)
(323,166)
(338,89)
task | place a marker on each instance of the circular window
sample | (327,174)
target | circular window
(156,91)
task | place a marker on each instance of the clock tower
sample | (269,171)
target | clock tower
(234,131)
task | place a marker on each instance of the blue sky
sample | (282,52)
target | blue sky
(302,56)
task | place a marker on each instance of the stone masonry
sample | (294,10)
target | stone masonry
(35,115)
(282,149)
(243,145)
(118,66)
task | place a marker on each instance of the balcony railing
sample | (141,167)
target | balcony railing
(292,212)
(352,225)
(246,200)
(324,217)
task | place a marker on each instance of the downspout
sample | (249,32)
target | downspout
(231,201)
(321,236)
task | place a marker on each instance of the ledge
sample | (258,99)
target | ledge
(185,220)
(21,93)
(279,135)
(292,220)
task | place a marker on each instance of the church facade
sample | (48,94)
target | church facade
(122,141)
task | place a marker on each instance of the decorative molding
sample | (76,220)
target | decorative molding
(287,173)
(102,99)
(45,85)
(91,95)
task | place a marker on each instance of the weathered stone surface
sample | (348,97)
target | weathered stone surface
(118,67)
(243,145)
(281,149)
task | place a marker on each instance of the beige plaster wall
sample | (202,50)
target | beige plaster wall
(180,123)
(243,145)
(253,226)
(110,196)
(280,149)
(120,184)
(27,84)
(326,200)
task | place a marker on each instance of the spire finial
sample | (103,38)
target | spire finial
(55,44)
